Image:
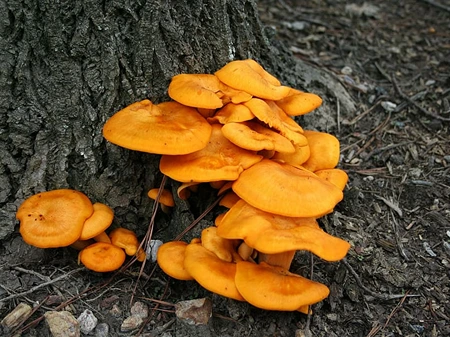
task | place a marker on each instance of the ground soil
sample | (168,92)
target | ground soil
(394,59)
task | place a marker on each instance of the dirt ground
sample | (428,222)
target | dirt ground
(394,59)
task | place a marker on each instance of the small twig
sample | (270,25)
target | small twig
(438,5)
(407,98)
(196,221)
(59,278)
(367,290)
(376,329)
(389,147)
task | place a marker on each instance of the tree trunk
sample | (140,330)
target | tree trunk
(67,66)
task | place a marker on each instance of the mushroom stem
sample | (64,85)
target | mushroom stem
(283,260)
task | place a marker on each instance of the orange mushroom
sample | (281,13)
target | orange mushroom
(337,177)
(211,272)
(286,190)
(256,137)
(102,257)
(165,199)
(98,222)
(231,113)
(170,258)
(166,128)
(203,91)
(224,249)
(249,76)
(273,234)
(53,218)
(126,239)
(324,151)
(274,288)
(219,160)
(299,103)
(274,117)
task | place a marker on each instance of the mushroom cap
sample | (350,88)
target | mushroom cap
(224,249)
(270,114)
(102,257)
(185,189)
(170,258)
(219,160)
(126,239)
(299,103)
(53,218)
(273,234)
(211,272)
(337,177)
(166,197)
(232,113)
(324,151)
(286,190)
(98,222)
(256,137)
(249,76)
(229,199)
(274,288)
(297,158)
(196,90)
(166,128)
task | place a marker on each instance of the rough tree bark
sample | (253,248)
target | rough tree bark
(67,66)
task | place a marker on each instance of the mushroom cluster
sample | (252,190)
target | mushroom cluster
(234,129)
(65,217)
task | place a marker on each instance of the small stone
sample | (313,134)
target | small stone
(194,312)
(346,70)
(87,321)
(131,323)
(116,311)
(102,330)
(139,309)
(19,314)
(388,106)
(62,324)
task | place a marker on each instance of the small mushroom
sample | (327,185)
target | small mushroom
(102,257)
(98,222)
(54,218)
(126,239)
(165,199)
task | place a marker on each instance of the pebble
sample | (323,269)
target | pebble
(131,323)
(101,330)
(87,321)
(139,309)
(116,311)
(139,312)
(16,316)
(388,106)
(194,312)
(62,324)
